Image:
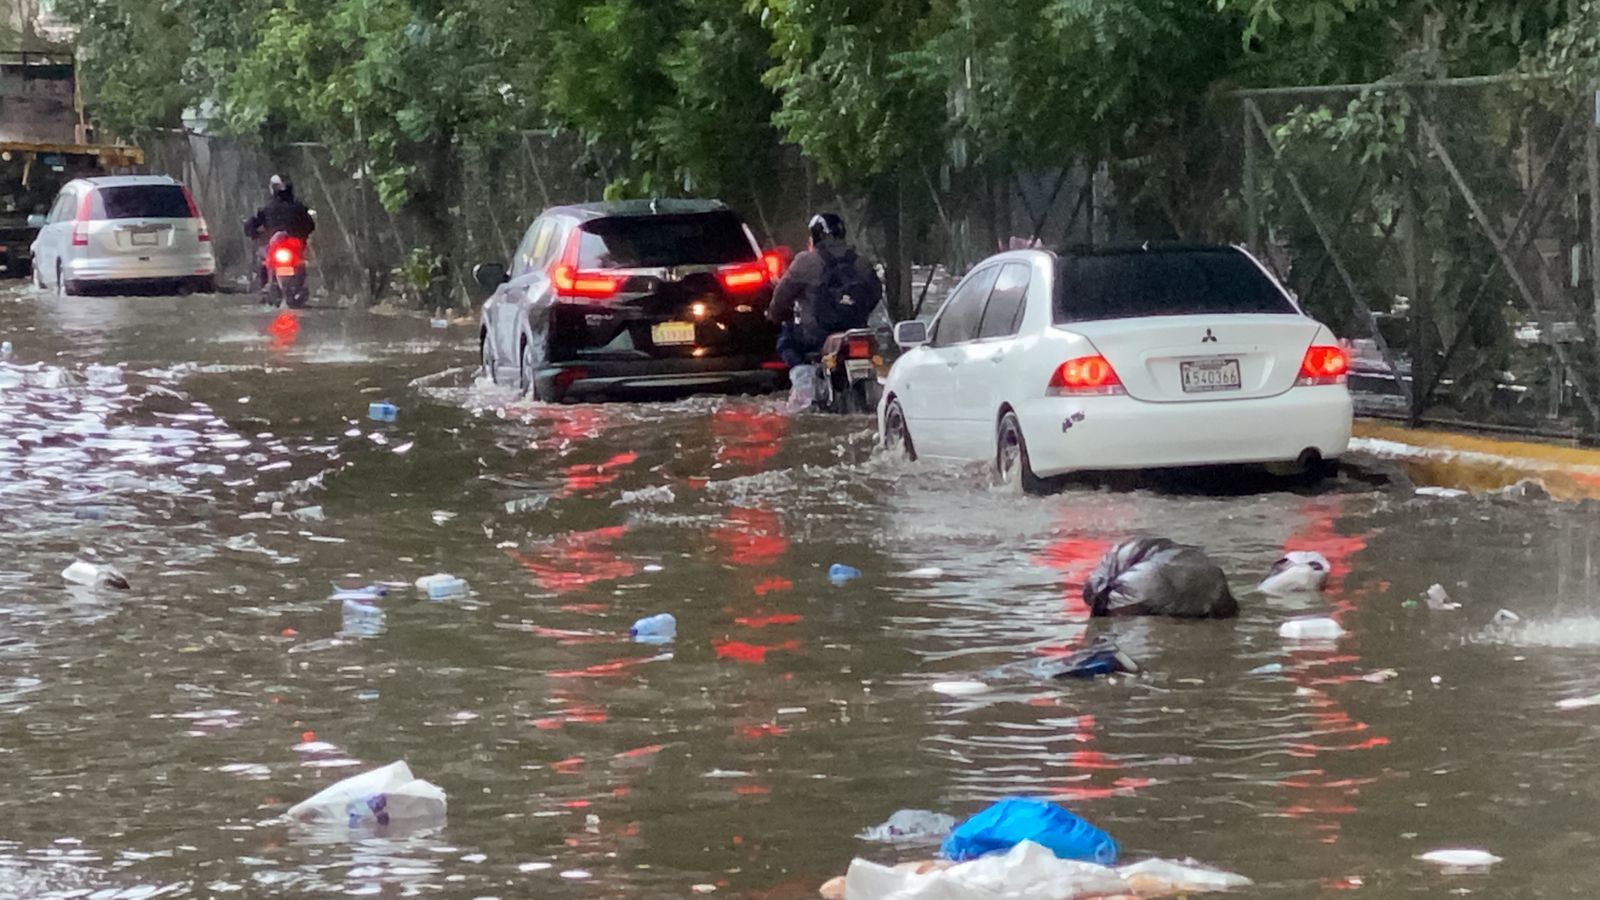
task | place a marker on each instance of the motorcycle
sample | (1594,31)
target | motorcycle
(849,373)
(284,272)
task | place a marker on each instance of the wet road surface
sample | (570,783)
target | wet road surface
(221,457)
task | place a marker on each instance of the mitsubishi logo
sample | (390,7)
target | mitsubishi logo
(1209,338)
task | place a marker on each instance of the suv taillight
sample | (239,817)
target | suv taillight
(194,213)
(1324,365)
(571,282)
(1084,375)
(743,277)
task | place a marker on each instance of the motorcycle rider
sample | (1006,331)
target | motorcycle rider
(281,213)
(827,289)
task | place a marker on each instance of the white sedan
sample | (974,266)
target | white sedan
(1137,357)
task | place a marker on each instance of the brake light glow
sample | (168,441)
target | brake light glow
(744,277)
(283,256)
(858,348)
(1084,375)
(1324,365)
(774,263)
(571,281)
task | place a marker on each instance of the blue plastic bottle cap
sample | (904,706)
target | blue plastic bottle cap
(839,573)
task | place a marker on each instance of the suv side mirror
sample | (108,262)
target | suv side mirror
(490,275)
(910,334)
(36,221)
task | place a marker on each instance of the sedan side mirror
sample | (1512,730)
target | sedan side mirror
(36,221)
(911,334)
(490,275)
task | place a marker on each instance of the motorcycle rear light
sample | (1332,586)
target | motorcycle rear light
(1084,375)
(283,256)
(571,281)
(1324,364)
(744,277)
(858,348)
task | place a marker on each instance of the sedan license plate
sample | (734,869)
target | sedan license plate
(144,238)
(1205,376)
(672,333)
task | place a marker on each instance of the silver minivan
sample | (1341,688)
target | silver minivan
(123,231)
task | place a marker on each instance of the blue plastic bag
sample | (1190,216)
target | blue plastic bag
(1016,819)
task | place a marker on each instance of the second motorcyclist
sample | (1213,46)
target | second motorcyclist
(282,213)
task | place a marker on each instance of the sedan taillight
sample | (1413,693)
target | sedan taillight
(1084,375)
(1324,365)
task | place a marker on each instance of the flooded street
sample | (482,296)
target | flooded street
(222,458)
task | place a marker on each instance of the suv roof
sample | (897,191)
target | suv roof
(637,208)
(101,181)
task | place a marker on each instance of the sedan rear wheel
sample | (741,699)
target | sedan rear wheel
(1011,457)
(896,436)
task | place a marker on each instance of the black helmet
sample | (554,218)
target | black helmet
(826,225)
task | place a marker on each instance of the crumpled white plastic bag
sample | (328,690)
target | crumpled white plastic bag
(802,389)
(1165,876)
(375,800)
(1027,872)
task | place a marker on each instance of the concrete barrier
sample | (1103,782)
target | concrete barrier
(1477,463)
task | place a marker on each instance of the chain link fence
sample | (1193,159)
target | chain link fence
(1450,228)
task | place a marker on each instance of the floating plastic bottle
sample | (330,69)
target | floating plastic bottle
(5,351)
(1315,628)
(363,617)
(660,628)
(381,412)
(839,573)
(442,586)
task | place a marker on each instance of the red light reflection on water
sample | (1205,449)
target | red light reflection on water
(283,330)
(746,437)
(576,560)
(1318,797)
(752,536)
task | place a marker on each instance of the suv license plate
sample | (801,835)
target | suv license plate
(144,238)
(672,333)
(1205,376)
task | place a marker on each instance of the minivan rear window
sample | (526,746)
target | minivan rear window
(668,240)
(1163,283)
(140,201)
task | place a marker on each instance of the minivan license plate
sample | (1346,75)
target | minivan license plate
(1205,376)
(672,333)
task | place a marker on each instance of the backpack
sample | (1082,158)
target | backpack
(844,297)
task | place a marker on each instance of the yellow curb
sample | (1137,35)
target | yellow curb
(1471,462)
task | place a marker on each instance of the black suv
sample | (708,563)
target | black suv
(613,298)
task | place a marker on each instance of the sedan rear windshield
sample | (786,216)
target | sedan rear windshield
(140,201)
(1164,283)
(668,240)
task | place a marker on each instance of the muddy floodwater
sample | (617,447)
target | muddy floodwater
(151,740)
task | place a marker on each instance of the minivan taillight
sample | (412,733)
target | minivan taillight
(1324,365)
(80,225)
(1084,375)
(194,213)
